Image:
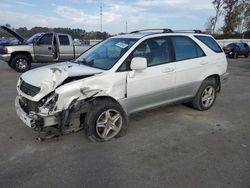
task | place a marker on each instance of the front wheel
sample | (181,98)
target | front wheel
(206,95)
(20,63)
(105,120)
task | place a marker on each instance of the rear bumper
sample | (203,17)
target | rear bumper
(224,77)
(5,57)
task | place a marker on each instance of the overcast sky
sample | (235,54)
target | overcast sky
(85,14)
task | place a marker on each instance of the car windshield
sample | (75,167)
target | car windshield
(34,38)
(105,54)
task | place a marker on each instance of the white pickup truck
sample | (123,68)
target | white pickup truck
(41,47)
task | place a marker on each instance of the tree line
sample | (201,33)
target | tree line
(235,15)
(75,33)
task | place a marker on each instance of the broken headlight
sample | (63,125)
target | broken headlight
(51,101)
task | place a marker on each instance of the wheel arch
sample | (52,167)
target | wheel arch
(28,54)
(216,77)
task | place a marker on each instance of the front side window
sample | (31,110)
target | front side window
(64,40)
(155,50)
(186,48)
(46,39)
(210,42)
(105,54)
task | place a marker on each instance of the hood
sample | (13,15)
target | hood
(48,78)
(13,33)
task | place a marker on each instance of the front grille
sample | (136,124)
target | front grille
(28,105)
(29,89)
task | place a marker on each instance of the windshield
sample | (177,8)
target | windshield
(105,54)
(34,38)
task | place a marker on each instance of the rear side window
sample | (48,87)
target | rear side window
(246,45)
(210,42)
(186,48)
(64,40)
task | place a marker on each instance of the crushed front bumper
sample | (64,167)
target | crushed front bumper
(34,120)
(5,57)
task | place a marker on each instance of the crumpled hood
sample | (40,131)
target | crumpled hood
(49,77)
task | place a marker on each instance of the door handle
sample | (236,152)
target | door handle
(203,63)
(168,69)
(49,48)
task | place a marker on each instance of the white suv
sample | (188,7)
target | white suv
(119,76)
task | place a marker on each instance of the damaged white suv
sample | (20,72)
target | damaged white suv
(120,76)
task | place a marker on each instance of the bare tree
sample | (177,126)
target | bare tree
(231,18)
(218,4)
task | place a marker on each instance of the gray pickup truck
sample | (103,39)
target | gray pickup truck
(40,48)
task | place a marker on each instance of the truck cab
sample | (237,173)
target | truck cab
(44,47)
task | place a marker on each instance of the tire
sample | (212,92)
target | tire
(235,55)
(206,95)
(105,120)
(247,55)
(20,63)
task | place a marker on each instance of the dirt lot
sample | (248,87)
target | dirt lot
(173,146)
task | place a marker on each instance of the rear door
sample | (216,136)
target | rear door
(155,84)
(66,48)
(43,48)
(190,62)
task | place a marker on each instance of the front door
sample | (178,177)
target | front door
(43,48)
(154,85)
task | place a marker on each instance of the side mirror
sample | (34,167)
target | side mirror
(138,63)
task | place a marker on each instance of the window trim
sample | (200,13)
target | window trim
(184,36)
(169,45)
(221,51)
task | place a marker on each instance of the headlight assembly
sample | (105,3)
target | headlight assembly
(51,102)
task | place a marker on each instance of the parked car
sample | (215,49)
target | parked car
(234,50)
(120,76)
(40,48)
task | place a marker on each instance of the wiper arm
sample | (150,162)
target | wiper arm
(83,61)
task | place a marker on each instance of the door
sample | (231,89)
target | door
(154,85)
(66,49)
(191,63)
(43,48)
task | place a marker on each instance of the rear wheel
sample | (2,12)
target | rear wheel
(247,55)
(105,120)
(235,55)
(206,95)
(20,63)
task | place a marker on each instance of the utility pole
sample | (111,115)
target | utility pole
(126,27)
(101,15)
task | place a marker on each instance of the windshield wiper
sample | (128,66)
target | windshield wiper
(84,62)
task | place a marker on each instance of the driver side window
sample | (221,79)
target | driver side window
(155,50)
(46,39)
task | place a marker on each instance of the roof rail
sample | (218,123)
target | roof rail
(163,30)
(188,31)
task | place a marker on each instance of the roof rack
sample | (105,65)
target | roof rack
(163,30)
(188,31)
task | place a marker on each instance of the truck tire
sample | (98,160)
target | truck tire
(247,55)
(206,95)
(105,120)
(20,63)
